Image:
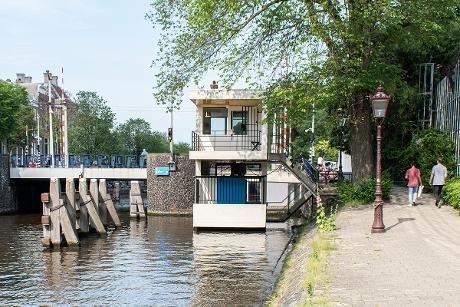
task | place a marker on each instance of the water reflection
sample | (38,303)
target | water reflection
(155,262)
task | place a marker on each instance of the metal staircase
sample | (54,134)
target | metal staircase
(304,172)
(291,208)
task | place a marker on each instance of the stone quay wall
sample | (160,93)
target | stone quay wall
(173,194)
(7,200)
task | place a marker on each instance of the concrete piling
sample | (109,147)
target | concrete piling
(108,202)
(136,205)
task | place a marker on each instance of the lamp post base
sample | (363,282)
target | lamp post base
(378,226)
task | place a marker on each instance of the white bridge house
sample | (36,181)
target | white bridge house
(230,149)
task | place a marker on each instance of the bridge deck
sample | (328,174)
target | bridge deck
(97,173)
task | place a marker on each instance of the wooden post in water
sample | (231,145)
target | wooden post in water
(92,211)
(116,192)
(68,228)
(71,202)
(107,201)
(46,220)
(55,225)
(136,205)
(84,218)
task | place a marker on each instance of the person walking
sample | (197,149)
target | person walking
(414,180)
(437,180)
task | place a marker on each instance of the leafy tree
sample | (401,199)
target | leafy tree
(340,51)
(91,130)
(15,113)
(136,134)
(425,148)
(181,148)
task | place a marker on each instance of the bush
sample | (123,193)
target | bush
(451,193)
(363,192)
(425,148)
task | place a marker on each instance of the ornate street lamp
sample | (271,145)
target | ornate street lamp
(379,107)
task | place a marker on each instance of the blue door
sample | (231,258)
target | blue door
(231,190)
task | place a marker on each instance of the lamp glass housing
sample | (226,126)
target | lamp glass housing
(379,107)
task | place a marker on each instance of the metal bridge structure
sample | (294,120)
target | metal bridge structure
(116,167)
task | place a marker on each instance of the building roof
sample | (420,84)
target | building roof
(236,97)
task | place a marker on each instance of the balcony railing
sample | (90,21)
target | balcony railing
(226,142)
(230,189)
(102,161)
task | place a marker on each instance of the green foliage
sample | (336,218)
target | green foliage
(451,193)
(325,223)
(181,148)
(338,51)
(329,153)
(363,192)
(15,113)
(425,148)
(92,128)
(134,135)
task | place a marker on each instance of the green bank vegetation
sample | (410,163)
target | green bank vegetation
(315,275)
(451,193)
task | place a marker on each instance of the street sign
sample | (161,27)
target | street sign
(162,171)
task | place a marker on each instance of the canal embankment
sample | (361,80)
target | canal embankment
(305,279)
(8,203)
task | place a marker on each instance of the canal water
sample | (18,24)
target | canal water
(159,261)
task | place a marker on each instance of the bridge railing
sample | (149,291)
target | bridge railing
(74,161)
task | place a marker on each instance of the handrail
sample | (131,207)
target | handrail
(312,172)
(249,141)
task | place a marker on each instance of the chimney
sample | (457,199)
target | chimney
(214,85)
(20,77)
(28,79)
(45,76)
(54,80)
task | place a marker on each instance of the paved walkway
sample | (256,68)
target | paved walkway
(416,262)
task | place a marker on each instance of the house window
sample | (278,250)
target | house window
(239,122)
(215,121)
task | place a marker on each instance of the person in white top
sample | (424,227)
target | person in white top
(437,180)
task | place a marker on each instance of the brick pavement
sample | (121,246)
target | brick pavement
(416,262)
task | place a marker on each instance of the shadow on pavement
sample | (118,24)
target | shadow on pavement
(400,220)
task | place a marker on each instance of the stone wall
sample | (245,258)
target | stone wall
(7,201)
(173,194)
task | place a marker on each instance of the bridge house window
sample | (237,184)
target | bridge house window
(215,121)
(239,122)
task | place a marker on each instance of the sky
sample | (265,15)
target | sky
(103,46)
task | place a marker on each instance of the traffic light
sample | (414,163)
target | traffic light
(170,134)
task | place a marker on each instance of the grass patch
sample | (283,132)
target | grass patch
(315,274)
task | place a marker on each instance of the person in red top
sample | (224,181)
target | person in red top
(414,179)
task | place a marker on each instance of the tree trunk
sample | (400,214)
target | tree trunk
(362,153)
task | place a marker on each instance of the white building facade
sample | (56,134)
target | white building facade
(230,149)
